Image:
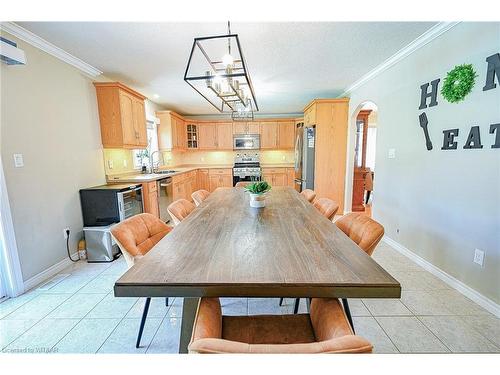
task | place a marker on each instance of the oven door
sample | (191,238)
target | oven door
(246,142)
(237,179)
(130,203)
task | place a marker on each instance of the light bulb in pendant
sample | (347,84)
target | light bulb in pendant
(227,59)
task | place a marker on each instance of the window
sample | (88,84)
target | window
(141,157)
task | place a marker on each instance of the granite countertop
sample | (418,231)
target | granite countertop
(148,177)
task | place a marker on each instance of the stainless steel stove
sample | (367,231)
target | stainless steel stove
(246,167)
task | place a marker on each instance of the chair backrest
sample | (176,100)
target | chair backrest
(327,207)
(308,194)
(180,209)
(363,230)
(199,196)
(243,183)
(138,234)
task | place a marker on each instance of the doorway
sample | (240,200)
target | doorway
(364,159)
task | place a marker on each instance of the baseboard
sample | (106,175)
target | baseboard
(48,273)
(466,290)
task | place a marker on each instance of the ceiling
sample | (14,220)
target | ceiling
(289,63)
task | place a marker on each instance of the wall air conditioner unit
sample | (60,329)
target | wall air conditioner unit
(10,54)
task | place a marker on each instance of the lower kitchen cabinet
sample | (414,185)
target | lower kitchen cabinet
(220,177)
(290,173)
(203,179)
(276,176)
(183,185)
(150,198)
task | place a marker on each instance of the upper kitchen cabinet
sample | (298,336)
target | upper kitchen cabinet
(121,116)
(246,128)
(224,135)
(330,116)
(286,135)
(172,131)
(269,132)
(208,136)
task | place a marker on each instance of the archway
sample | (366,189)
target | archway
(363,160)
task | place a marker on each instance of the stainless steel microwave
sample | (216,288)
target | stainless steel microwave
(246,142)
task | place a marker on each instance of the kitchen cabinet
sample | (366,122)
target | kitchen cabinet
(290,173)
(172,131)
(192,135)
(150,198)
(331,119)
(224,136)
(275,176)
(286,135)
(220,177)
(122,116)
(203,180)
(246,128)
(269,135)
(207,136)
(183,185)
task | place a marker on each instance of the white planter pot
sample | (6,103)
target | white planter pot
(257,200)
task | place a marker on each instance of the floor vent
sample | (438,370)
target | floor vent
(53,282)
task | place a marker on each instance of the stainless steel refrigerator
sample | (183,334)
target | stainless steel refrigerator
(304,157)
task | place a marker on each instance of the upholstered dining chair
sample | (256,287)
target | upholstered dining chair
(326,207)
(135,236)
(199,196)
(324,330)
(363,230)
(180,209)
(243,183)
(308,194)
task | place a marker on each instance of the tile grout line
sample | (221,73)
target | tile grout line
(435,335)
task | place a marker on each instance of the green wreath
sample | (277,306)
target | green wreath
(458,83)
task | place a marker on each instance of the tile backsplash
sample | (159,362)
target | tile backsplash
(118,161)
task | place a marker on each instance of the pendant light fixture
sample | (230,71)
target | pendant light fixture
(216,69)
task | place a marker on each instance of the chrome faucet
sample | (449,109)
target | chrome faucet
(151,161)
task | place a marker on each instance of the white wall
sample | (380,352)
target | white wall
(445,203)
(49,114)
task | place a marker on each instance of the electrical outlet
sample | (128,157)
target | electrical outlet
(110,164)
(397,230)
(392,153)
(283,157)
(125,163)
(66,231)
(479,257)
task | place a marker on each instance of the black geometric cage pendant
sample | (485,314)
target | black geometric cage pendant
(216,69)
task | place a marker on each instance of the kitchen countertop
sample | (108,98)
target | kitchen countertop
(138,177)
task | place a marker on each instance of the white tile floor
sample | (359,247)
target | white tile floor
(79,314)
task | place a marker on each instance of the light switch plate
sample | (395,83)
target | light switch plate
(18,160)
(392,153)
(125,163)
(479,257)
(110,164)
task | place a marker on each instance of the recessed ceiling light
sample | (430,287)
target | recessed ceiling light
(156,96)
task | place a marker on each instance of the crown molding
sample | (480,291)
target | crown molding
(40,43)
(415,45)
(292,115)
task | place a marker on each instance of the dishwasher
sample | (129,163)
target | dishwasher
(164,189)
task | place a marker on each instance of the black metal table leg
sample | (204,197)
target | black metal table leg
(166,301)
(143,321)
(296,306)
(281,301)
(348,313)
(189,308)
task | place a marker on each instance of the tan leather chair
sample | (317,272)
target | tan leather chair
(364,231)
(199,196)
(309,194)
(243,183)
(327,207)
(135,236)
(180,209)
(324,330)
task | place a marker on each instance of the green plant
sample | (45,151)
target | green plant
(258,187)
(458,83)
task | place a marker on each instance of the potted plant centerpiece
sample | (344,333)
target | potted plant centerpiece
(258,192)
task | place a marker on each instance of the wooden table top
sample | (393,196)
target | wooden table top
(287,249)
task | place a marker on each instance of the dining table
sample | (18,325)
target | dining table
(225,248)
